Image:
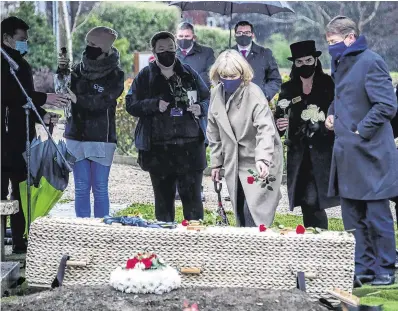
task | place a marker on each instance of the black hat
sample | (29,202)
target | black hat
(303,48)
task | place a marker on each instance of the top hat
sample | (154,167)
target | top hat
(303,48)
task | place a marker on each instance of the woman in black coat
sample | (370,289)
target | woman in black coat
(300,114)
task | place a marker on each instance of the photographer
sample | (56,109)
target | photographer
(171,130)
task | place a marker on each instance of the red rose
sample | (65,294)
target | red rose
(131,263)
(147,262)
(300,229)
(262,228)
(185,223)
(250,180)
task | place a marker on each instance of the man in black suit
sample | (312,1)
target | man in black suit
(266,72)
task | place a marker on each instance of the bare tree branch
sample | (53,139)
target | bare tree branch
(293,20)
(87,17)
(362,23)
(79,8)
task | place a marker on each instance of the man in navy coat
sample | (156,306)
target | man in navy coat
(364,169)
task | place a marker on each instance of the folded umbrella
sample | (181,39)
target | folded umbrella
(50,177)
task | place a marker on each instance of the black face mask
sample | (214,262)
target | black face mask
(92,52)
(243,40)
(185,43)
(305,71)
(166,58)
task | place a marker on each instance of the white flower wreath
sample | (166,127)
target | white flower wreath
(145,273)
(137,281)
(313,114)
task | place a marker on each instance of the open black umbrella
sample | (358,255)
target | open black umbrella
(229,7)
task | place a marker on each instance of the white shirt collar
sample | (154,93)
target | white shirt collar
(240,48)
(188,49)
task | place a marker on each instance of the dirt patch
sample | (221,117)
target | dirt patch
(210,299)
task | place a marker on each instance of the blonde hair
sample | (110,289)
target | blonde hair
(230,64)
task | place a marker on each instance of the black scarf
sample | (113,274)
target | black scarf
(99,68)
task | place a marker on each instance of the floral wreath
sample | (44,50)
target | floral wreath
(145,273)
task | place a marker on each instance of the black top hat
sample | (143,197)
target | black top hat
(303,48)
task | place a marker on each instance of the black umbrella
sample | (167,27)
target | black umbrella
(50,176)
(229,7)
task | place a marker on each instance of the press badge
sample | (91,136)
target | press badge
(296,100)
(176,112)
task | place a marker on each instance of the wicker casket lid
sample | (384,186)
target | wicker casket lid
(229,257)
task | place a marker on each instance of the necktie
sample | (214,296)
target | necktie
(184,52)
(244,52)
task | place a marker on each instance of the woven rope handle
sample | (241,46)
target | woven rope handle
(76,263)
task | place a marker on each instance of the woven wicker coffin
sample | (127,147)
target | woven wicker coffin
(229,257)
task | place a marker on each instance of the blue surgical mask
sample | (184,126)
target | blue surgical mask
(22,47)
(230,86)
(336,50)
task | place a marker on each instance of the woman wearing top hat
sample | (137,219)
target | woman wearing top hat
(300,114)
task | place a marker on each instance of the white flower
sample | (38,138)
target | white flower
(137,281)
(140,266)
(313,114)
(284,103)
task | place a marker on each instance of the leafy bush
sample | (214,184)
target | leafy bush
(281,50)
(216,38)
(125,124)
(42,51)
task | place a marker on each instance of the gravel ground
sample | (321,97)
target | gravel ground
(84,298)
(129,184)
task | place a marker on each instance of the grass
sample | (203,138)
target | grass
(377,295)
(147,211)
(370,295)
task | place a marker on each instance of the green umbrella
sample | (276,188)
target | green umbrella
(50,178)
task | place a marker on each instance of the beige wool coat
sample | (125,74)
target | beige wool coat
(241,132)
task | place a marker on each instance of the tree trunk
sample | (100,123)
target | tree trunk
(68,35)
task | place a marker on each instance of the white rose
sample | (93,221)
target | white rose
(322,116)
(284,103)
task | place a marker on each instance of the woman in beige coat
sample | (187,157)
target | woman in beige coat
(242,137)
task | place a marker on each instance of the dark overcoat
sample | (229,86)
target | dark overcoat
(364,165)
(200,58)
(319,147)
(13,118)
(266,72)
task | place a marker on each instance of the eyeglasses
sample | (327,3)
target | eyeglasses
(308,61)
(246,33)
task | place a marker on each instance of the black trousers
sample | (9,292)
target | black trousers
(244,215)
(374,235)
(189,188)
(18,219)
(307,196)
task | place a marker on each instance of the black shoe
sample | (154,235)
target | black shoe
(383,279)
(365,278)
(227,198)
(396,258)
(357,283)
(19,249)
